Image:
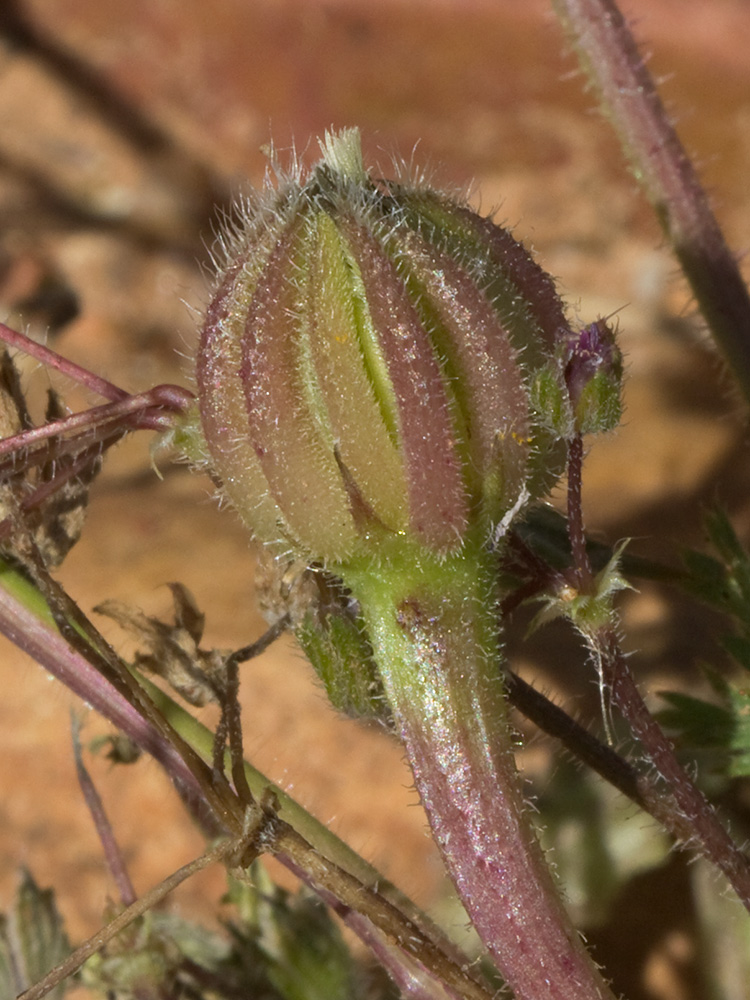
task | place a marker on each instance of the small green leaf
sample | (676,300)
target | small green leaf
(291,940)
(338,649)
(723,583)
(32,940)
(701,726)
(706,578)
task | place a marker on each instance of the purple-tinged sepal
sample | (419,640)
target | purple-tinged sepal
(365,366)
(579,390)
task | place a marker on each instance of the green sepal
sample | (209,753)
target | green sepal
(185,436)
(336,644)
(591,610)
(600,406)
(551,403)
(597,410)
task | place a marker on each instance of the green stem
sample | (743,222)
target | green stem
(434,633)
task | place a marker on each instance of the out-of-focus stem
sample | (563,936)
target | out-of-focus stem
(434,635)
(628,95)
(112,853)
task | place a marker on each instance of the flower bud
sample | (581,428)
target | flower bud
(578,392)
(365,363)
(593,375)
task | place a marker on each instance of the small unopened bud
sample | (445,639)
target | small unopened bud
(593,376)
(578,392)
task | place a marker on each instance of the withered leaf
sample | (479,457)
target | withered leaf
(47,500)
(172,650)
(285,587)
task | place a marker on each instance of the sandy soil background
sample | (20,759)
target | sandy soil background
(122,126)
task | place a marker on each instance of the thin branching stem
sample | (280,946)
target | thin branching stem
(77,629)
(51,359)
(709,838)
(152,410)
(137,909)
(684,811)
(80,465)
(379,917)
(43,643)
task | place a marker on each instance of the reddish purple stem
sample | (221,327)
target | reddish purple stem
(112,852)
(576,530)
(628,95)
(152,410)
(50,359)
(692,810)
(710,838)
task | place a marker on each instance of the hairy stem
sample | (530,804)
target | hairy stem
(26,621)
(53,360)
(433,630)
(685,810)
(576,530)
(113,855)
(710,838)
(627,92)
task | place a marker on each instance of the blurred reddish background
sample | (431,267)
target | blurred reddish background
(122,125)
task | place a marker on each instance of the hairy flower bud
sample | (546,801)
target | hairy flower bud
(578,391)
(593,375)
(365,365)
